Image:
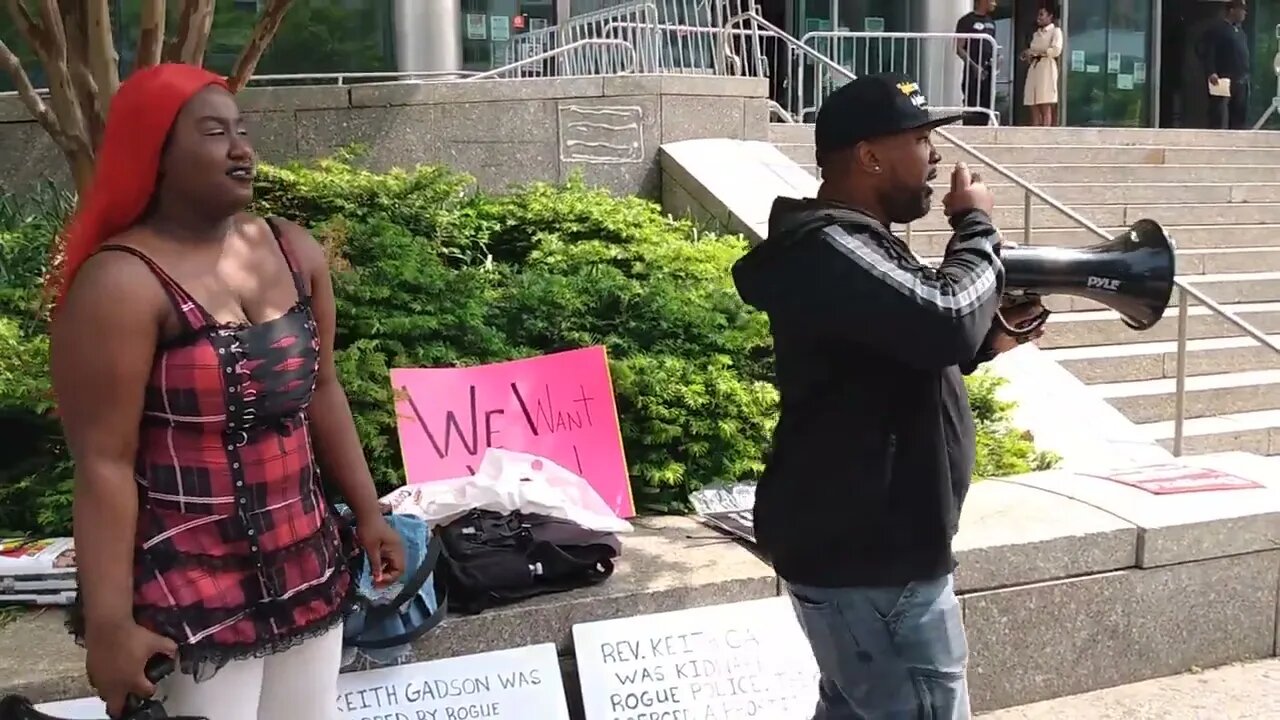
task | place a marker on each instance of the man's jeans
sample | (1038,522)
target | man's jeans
(887,653)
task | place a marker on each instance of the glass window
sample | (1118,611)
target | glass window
(317,36)
(492,30)
(1263,24)
(1109,54)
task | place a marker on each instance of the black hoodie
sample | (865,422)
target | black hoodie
(874,447)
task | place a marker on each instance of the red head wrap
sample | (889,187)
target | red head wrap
(128,160)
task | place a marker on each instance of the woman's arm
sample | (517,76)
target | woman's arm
(337,445)
(103,340)
(1054,50)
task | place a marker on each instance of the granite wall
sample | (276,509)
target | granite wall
(500,131)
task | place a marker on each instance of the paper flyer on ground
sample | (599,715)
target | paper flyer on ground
(37,571)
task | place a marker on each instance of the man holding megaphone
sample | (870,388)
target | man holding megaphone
(874,447)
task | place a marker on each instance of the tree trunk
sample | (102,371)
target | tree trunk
(193,33)
(104,62)
(151,34)
(82,168)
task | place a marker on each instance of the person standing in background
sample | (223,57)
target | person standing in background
(979,57)
(1224,50)
(1041,90)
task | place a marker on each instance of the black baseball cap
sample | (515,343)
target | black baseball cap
(872,106)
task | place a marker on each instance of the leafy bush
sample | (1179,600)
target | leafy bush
(429,272)
(35,473)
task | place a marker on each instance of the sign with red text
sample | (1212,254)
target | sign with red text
(1171,479)
(557,406)
(722,662)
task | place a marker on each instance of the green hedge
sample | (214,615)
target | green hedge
(430,272)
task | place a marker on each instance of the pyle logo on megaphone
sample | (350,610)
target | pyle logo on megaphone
(1102,283)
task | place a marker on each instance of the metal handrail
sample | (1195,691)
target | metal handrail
(559,51)
(1185,288)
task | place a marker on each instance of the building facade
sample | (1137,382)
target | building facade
(1126,63)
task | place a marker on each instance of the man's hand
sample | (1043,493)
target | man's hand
(1213,79)
(1016,316)
(968,192)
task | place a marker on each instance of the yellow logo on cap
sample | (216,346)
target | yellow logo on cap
(912,91)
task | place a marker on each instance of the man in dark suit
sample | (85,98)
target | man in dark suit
(1224,50)
(979,57)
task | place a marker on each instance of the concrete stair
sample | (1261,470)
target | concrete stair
(1218,195)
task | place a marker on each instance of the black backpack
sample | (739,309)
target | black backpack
(494,559)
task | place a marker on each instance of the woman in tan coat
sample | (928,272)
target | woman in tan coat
(1041,91)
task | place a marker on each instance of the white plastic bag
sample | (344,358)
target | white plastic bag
(507,481)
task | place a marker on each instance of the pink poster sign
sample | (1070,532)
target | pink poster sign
(1172,479)
(559,406)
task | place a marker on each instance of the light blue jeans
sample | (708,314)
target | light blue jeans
(887,653)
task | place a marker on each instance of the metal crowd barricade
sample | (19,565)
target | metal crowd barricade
(590,26)
(929,58)
(669,36)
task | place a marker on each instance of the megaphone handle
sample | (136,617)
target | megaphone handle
(1024,333)
(157,669)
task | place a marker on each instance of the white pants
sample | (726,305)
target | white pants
(298,684)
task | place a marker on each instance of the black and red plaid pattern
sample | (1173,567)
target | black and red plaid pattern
(238,552)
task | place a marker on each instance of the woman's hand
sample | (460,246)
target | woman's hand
(117,659)
(383,546)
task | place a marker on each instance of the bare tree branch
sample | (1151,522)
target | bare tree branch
(27,25)
(104,62)
(193,32)
(76,27)
(151,34)
(62,90)
(28,95)
(263,33)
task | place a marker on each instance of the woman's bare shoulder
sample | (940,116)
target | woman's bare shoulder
(309,253)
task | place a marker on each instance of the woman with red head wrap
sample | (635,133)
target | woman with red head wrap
(192,358)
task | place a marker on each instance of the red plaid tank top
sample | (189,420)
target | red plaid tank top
(238,553)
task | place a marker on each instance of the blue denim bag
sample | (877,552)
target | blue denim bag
(392,617)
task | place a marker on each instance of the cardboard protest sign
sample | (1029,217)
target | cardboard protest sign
(558,406)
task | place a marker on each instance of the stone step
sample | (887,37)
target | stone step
(1115,155)
(1153,360)
(1104,327)
(1164,137)
(1010,216)
(1073,192)
(931,243)
(1256,431)
(1085,154)
(1146,401)
(1224,288)
(1120,174)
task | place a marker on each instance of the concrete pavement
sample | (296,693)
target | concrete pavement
(1247,691)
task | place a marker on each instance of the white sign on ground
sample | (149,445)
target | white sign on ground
(723,662)
(516,684)
(81,709)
